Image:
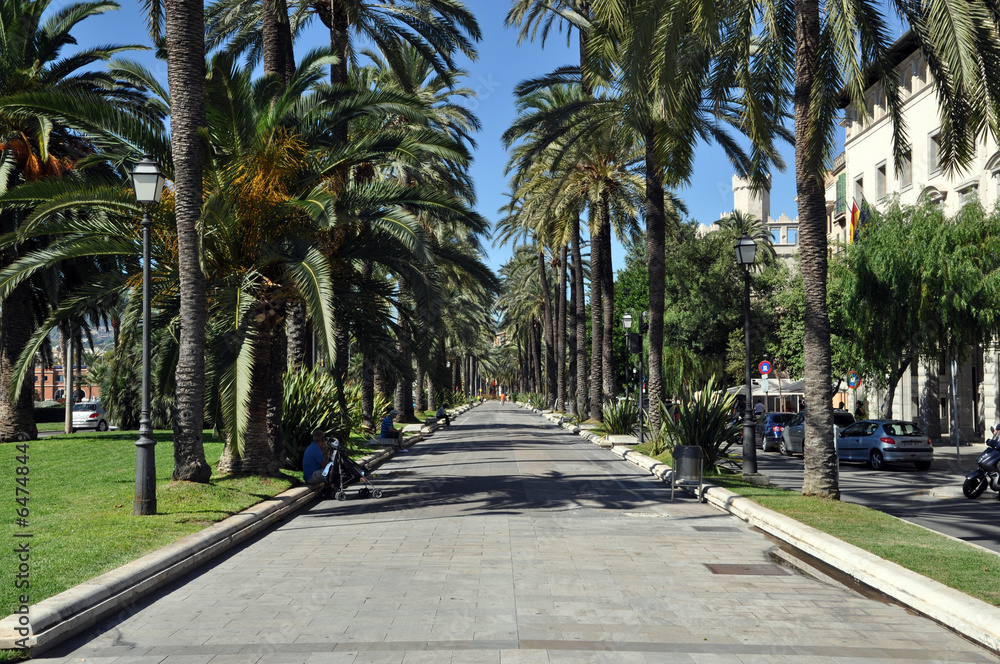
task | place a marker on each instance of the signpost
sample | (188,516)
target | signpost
(853,380)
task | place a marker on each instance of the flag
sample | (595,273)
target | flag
(855,215)
(861,218)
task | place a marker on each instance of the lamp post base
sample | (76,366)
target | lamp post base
(757,479)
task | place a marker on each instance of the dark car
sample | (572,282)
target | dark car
(769,428)
(794,433)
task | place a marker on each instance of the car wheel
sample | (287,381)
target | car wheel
(783,448)
(763,441)
(922,465)
(102,426)
(974,486)
(876,460)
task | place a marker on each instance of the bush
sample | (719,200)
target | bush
(311,401)
(536,400)
(705,419)
(620,417)
(380,407)
(48,414)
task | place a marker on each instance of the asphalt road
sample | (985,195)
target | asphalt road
(932,499)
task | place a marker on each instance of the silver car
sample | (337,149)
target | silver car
(881,441)
(89,415)
(795,430)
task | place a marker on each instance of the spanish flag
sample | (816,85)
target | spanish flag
(855,218)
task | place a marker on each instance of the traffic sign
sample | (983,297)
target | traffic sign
(764,384)
(764,367)
(853,380)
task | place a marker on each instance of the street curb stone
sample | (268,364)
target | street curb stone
(970,617)
(68,613)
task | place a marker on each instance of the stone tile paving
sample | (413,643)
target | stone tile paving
(503,539)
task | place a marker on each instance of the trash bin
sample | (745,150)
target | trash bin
(689,462)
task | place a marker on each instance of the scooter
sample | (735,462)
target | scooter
(986,472)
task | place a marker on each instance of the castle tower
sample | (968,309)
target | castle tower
(747,201)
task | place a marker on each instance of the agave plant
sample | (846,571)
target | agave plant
(311,401)
(620,418)
(704,419)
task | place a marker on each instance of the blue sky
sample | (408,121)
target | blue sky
(501,65)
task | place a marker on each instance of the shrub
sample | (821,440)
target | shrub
(705,419)
(536,400)
(621,417)
(380,406)
(310,403)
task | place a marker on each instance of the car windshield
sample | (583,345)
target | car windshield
(781,418)
(84,407)
(902,429)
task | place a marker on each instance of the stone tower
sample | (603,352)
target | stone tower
(747,201)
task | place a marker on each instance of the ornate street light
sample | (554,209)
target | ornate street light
(635,348)
(746,252)
(147,182)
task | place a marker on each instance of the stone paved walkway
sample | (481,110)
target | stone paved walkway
(504,539)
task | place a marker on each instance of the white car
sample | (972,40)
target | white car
(89,415)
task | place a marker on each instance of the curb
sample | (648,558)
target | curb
(972,618)
(68,613)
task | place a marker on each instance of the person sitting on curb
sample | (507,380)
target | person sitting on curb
(441,414)
(316,461)
(389,431)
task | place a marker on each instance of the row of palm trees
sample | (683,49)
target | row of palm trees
(301,212)
(654,79)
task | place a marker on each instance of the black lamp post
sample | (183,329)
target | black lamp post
(147,182)
(635,348)
(746,252)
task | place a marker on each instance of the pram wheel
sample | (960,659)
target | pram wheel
(341,495)
(377,493)
(364,493)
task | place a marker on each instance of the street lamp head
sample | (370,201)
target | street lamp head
(627,321)
(147,181)
(746,251)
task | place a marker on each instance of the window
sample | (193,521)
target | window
(775,236)
(793,235)
(934,153)
(906,173)
(859,189)
(968,194)
(880,181)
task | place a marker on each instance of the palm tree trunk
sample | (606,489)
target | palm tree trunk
(276,392)
(258,457)
(656,222)
(367,369)
(431,397)
(561,333)
(581,325)
(547,326)
(608,302)
(536,350)
(819,454)
(297,334)
(571,341)
(17,416)
(596,324)
(420,396)
(185,41)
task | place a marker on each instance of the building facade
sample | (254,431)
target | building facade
(866,172)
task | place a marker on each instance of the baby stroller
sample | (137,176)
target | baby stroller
(342,472)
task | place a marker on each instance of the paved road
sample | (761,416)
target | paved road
(932,499)
(506,540)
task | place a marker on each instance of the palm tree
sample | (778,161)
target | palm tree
(819,59)
(34,148)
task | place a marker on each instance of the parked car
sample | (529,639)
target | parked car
(795,430)
(880,441)
(769,428)
(89,415)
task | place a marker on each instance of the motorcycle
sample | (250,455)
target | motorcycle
(986,472)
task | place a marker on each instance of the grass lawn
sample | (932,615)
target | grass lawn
(955,564)
(81,492)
